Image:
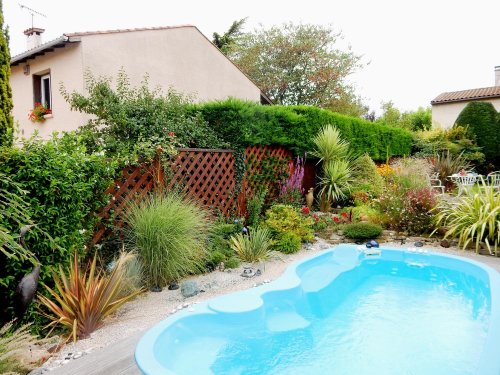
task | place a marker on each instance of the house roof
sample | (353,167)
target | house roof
(42,49)
(75,37)
(467,95)
(77,34)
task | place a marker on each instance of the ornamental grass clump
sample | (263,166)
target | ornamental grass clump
(82,299)
(16,350)
(169,233)
(254,247)
(474,218)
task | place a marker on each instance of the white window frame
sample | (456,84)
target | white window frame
(43,94)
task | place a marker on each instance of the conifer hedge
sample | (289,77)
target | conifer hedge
(483,123)
(6,104)
(245,123)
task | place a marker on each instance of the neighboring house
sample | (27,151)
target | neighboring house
(447,106)
(180,57)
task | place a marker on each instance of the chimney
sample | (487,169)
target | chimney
(497,75)
(34,35)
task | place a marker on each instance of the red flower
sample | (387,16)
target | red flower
(171,134)
(305,210)
(345,215)
(336,219)
(315,217)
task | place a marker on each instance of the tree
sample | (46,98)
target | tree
(481,118)
(300,64)
(6,104)
(421,119)
(226,41)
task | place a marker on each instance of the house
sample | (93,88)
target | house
(447,106)
(180,57)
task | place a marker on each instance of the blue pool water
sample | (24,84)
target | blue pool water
(342,312)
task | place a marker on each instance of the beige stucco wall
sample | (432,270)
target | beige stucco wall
(181,58)
(444,115)
(65,65)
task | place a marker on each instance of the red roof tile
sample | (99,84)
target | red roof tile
(465,95)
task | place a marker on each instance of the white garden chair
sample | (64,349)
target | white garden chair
(492,181)
(436,182)
(465,183)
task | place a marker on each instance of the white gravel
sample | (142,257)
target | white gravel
(150,308)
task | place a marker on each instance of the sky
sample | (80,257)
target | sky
(412,50)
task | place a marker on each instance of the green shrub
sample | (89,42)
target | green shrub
(281,218)
(219,249)
(288,243)
(214,259)
(254,247)
(475,218)
(362,230)
(232,262)
(483,124)
(169,233)
(64,188)
(246,123)
(254,207)
(365,176)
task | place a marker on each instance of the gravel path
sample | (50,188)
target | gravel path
(150,308)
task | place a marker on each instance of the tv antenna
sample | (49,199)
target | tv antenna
(32,12)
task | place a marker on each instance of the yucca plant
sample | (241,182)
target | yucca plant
(474,218)
(169,233)
(337,180)
(16,355)
(255,247)
(83,298)
(329,145)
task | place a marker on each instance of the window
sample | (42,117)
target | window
(41,90)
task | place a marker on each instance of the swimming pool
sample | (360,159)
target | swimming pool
(342,312)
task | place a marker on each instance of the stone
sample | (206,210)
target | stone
(248,272)
(335,237)
(173,286)
(156,289)
(445,243)
(189,289)
(418,244)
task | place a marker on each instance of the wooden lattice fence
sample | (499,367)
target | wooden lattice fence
(204,175)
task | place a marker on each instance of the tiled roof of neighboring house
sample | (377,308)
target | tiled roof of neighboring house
(127,30)
(466,95)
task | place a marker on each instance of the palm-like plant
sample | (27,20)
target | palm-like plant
(329,145)
(333,152)
(474,218)
(82,299)
(337,180)
(255,247)
(446,164)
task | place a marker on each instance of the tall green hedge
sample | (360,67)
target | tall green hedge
(64,190)
(6,104)
(483,123)
(245,123)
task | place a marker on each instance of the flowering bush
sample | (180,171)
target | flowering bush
(37,113)
(385,170)
(291,192)
(283,218)
(407,210)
